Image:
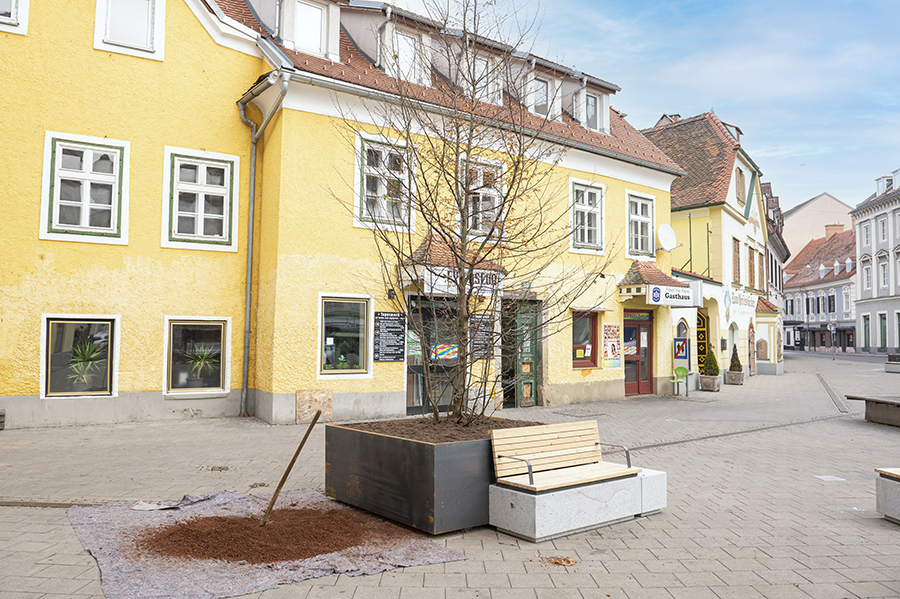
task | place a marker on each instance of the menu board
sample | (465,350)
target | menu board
(390,336)
(481,335)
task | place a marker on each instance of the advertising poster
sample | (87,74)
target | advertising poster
(612,354)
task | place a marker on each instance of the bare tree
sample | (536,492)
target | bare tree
(462,203)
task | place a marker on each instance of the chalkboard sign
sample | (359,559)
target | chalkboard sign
(481,335)
(390,336)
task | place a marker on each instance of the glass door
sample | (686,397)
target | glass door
(638,350)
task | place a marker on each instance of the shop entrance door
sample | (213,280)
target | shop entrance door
(520,353)
(638,350)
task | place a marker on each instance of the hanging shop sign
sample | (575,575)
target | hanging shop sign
(390,337)
(441,280)
(663,295)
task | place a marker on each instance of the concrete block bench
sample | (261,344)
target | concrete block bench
(552,482)
(887,493)
(884,409)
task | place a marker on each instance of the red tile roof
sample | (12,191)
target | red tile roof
(688,273)
(437,251)
(643,272)
(824,250)
(704,148)
(624,142)
(764,305)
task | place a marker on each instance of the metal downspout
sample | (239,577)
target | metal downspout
(255,133)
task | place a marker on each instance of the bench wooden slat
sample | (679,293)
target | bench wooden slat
(547,447)
(889,472)
(567,477)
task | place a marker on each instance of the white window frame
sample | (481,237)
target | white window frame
(323,31)
(225,364)
(587,112)
(867,277)
(113,350)
(882,229)
(169,237)
(575,246)
(370,335)
(414,70)
(866,238)
(883,273)
(17,22)
(832,293)
(549,99)
(497,193)
(845,298)
(156,50)
(50,189)
(360,218)
(651,233)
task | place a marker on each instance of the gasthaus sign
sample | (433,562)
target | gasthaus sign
(662,295)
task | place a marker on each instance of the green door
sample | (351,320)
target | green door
(526,354)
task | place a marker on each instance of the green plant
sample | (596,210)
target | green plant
(735,360)
(84,361)
(203,359)
(711,364)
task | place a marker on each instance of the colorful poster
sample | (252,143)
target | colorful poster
(444,352)
(612,355)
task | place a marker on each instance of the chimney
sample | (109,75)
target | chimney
(832,229)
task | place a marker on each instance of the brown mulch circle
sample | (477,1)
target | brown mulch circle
(290,534)
(446,430)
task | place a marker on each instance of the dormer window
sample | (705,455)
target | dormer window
(592,116)
(541,97)
(309,27)
(406,64)
(482,82)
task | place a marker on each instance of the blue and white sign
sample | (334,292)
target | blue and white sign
(662,295)
(681,352)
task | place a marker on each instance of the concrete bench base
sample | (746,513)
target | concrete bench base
(887,498)
(545,516)
(892,366)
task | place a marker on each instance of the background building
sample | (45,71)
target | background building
(805,222)
(877,222)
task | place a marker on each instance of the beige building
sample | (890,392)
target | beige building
(806,221)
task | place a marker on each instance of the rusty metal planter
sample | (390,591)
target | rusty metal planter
(435,488)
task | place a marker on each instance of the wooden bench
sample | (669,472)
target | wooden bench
(887,493)
(552,481)
(883,409)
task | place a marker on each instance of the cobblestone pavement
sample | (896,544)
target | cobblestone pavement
(748,515)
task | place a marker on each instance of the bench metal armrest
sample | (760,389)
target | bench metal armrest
(530,471)
(627,453)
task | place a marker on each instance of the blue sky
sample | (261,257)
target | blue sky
(814,86)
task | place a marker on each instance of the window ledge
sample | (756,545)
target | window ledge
(216,394)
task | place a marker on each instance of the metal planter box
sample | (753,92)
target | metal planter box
(435,488)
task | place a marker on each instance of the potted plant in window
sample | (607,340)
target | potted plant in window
(203,360)
(84,361)
(735,373)
(710,378)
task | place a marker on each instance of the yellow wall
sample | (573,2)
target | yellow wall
(60,83)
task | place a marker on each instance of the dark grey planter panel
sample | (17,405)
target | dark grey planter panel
(434,488)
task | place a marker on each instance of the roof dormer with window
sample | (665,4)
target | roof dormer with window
(591,109)
(312,27)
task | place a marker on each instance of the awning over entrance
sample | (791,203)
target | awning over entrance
(658,288)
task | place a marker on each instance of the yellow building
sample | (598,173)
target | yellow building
(127,294)
(719,218)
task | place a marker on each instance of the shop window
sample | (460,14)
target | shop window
(640,226)
(196,360)
(385,184)
(133,27)
(587,217)
(78,357)
(201,200)
(344,343)
(584,340)
(84,196)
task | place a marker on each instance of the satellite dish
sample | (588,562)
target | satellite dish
(666,236)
